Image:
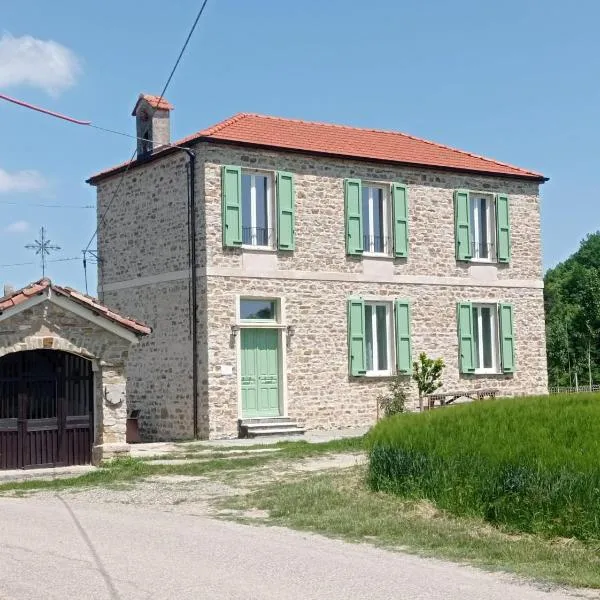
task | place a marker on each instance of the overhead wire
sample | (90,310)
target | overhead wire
(164,90)
(41,205)
(23,264)
(106,129)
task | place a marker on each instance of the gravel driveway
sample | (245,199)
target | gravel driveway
(67,546)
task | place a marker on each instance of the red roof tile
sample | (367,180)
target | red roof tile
(340,140)
(44,285)
(154,101)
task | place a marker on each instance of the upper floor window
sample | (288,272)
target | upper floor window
(257,209)
(483,227)
(375,211)
(376,218)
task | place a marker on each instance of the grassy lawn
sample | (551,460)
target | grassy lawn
(340,504)
(529,464)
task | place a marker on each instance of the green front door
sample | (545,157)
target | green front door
(260,372)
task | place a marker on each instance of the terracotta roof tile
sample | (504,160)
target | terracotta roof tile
(41,286)
(341,140)
(154,101)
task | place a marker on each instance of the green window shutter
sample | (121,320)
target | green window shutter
(231,205)
(357,350)
(466,343)
(403,349)
(354,222)
(507,340)
(400,199)
(462,225)
(502,228)
(285,211)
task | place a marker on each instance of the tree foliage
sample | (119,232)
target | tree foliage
(427,372)
(572,307)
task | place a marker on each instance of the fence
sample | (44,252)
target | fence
(575,390)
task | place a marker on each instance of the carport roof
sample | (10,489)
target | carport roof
(45,286)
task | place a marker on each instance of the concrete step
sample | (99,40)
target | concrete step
(269,426)
(265,431)
(267,420)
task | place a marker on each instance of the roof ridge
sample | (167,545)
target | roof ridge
(223,124)
(233,120)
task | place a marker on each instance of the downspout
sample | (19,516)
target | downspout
(193,286)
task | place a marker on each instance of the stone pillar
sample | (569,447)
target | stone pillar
(112,412)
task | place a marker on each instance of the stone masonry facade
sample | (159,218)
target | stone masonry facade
(143,243)
(50,327)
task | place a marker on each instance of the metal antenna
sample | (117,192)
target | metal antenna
(43,247)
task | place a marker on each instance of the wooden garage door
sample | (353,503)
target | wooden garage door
(45,409)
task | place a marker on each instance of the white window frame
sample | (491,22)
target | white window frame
(270,209)
(495,338)
(390,338)
(491,226)
(385,189)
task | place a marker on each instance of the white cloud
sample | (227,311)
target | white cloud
(21,181)
(17,227)
(44,64)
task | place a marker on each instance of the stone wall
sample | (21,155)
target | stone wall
(320,392)
(160,366)
(144,246)
(47,326)
(320,234)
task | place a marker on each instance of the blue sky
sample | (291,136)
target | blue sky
(515,80)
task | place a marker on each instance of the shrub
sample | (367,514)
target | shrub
(530,464)
(427,372)
(394,402)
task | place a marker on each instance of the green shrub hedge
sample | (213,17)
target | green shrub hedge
(532,464)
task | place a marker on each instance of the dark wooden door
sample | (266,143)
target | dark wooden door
(45,409)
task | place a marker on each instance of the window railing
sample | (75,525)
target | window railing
(258,236)
(376,244)
(485,251)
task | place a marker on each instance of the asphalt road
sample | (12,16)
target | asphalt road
(56,547)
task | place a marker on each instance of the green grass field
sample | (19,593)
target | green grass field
(529,464)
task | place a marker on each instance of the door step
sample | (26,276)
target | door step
(261,427)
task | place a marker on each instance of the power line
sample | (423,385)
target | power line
(187,41)
(24,264)
(129,163)
(56,115)
(14,203)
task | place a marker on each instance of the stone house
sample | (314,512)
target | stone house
(289,269)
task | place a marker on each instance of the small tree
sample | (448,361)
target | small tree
(394,401)
(427,372)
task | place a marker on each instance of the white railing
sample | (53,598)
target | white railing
(575,390)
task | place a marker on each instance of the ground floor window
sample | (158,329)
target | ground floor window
(485,337)
(378,338)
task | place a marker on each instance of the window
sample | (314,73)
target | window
(483,227)
(378,338)
(257,212)
(485,338)
(375,220)
(257,309)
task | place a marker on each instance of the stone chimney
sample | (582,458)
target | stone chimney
(9,289)
(152,123)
